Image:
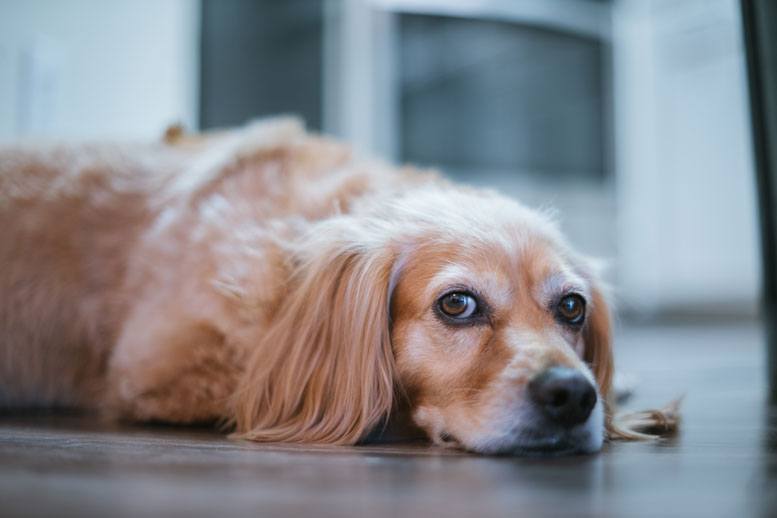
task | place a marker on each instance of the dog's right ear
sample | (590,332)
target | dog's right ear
(323,372)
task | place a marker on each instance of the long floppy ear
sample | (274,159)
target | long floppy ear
(598,348)
(598,342)
(323,373)
(647,424)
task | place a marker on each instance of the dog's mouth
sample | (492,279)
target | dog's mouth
(551,445)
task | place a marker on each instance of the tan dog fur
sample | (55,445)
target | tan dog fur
(268,279)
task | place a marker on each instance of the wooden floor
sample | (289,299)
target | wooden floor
(724,462)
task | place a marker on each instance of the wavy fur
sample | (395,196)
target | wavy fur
(269,279)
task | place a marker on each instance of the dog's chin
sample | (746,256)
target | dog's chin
(540,438)
(545,441)
(550,445)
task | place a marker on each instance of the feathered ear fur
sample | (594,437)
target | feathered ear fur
(323,373)
(598,347)
(598,353)
(598,342)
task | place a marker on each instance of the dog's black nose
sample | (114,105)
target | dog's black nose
(564,395)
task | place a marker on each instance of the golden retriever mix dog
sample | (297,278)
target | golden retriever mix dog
(268,279)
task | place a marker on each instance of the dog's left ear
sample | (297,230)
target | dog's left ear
(648,424)
(323,372)
(598,354)
(598,341)
(597,336)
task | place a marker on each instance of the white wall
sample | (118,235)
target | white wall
(97,68)
(687,227)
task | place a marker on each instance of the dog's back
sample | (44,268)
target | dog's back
(80,234)
(69,216)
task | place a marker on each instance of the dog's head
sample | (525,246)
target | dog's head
(466,304)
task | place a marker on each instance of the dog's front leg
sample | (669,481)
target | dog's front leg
(171,371)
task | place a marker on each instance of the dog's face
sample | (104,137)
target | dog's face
(467,303)
(489,346)
(494,323)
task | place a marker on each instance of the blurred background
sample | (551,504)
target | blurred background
(629,117)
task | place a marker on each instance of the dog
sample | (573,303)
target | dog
(272,281)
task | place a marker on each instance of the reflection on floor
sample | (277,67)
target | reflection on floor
(723,463)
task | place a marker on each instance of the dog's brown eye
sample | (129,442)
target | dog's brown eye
(571,309)
(458,305)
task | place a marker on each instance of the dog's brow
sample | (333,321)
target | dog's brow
(491,284)
(562,281)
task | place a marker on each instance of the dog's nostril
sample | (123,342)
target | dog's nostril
(559,397)
(588,400)
(564,395)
